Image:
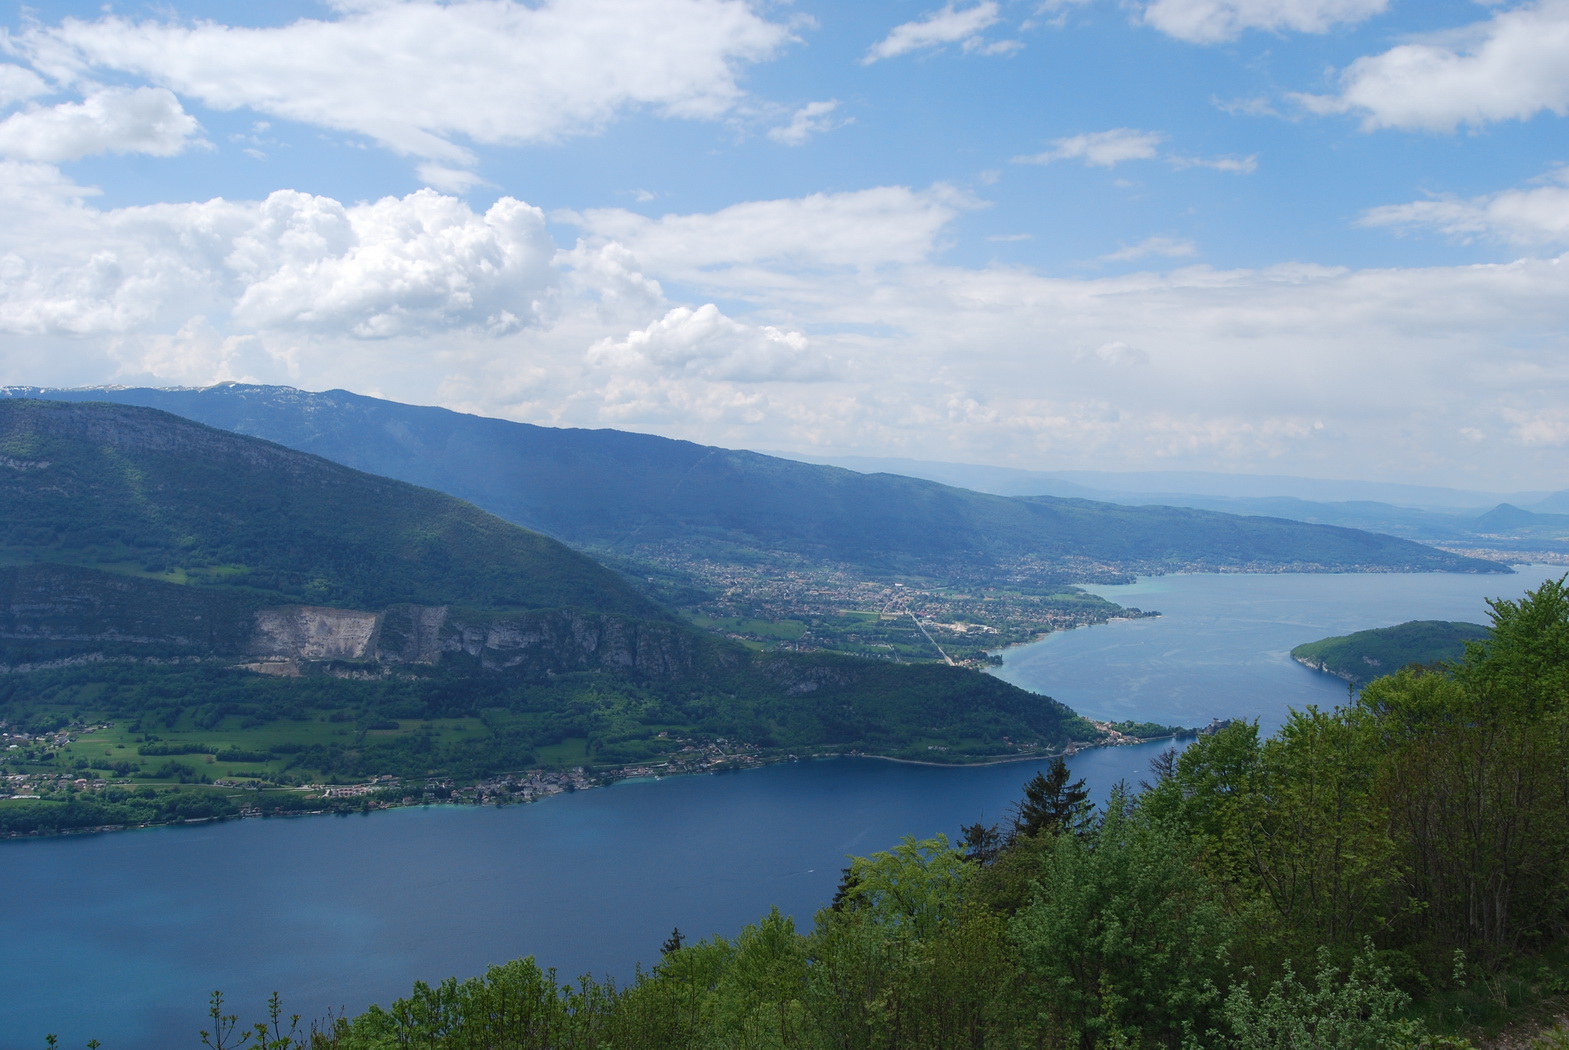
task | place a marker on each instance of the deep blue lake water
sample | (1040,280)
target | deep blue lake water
(121,937)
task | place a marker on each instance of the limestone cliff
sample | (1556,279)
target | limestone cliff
(53,612)
(566,640)
(532,643)
(308,632)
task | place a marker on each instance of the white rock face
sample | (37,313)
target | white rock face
(312,632)
(548,641)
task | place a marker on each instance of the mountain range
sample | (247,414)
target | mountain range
(1524,522)
(638,496)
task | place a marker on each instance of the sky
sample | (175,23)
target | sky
(1324,238)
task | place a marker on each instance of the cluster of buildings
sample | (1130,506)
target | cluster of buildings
(835,602)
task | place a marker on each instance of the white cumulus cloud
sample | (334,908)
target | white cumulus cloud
(1214,21)
(291,262)
(1510,67)
(706,344)
(107,120)
(609,276)
(417,263)
(947,26)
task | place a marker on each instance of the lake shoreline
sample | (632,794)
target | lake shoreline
(1132,741)
(351,912)
(589,781)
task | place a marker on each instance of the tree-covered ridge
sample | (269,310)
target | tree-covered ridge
(1365,655)
(641,495)
(145,494)
(222,723)
(1390,874)
(149,565)
(784,555)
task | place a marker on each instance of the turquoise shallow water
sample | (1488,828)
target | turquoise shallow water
(121,937)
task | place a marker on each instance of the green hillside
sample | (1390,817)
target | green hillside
(150,496)
(788,556)
(182,607)
(635,494)
(1365,655)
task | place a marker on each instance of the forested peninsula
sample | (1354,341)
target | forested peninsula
(1358,658)
(1388,874)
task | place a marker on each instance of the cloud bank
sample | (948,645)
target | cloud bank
(846,329)
(421,77)
(1511,67)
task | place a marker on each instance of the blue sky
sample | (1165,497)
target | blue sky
(1314,237)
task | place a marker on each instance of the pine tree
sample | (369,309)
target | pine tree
(1051,804)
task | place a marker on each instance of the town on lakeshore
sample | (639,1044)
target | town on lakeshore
(257,796)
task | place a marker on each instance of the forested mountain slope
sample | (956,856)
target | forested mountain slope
(175,579)
(611,491)
(152,496)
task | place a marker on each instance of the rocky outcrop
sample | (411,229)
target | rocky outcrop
(412,634)
(566,640)
(1315,664)
(531,643)
(52,612)
(309,632)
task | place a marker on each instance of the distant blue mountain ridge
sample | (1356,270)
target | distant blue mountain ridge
(1527,521)
(615,493)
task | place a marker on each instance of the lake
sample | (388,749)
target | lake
(1222,646)
(121,937)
